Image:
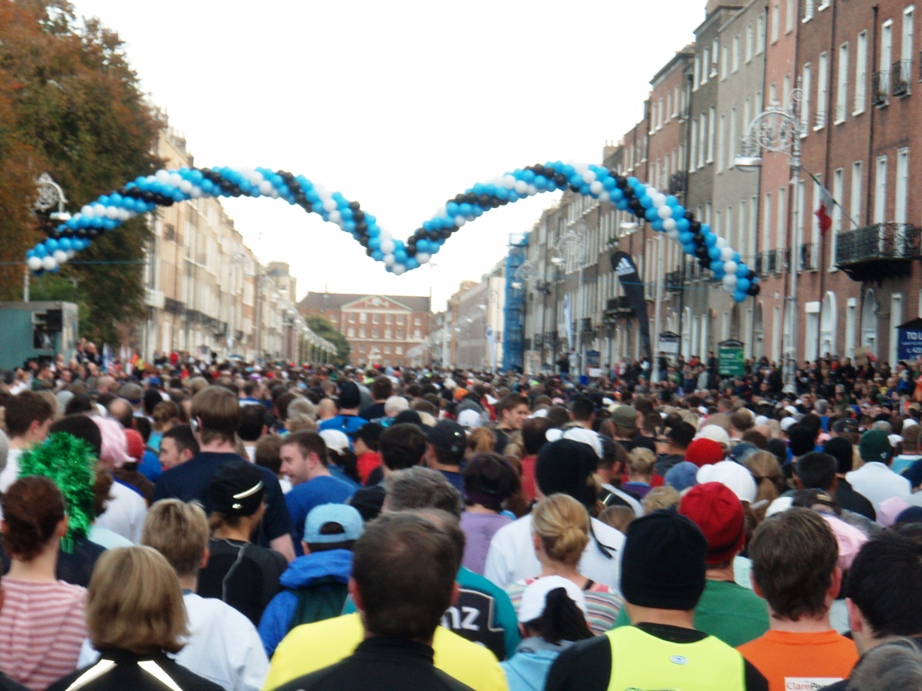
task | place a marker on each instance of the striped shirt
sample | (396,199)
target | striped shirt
(602,604)
(41,631)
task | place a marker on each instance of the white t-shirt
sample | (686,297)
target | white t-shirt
(878,483)
(224,646)
(125,513)
(512,555)
(10,473)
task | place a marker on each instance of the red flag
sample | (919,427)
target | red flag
(824,212)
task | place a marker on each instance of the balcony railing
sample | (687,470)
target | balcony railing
(769,262)
(586,325)
(880,88)
(673,281)
(820,118)
(678,182)
(807,257)
(879,251)
(902,74)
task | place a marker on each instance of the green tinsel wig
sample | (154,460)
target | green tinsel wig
(70,463)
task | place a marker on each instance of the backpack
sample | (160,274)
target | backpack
(322,599)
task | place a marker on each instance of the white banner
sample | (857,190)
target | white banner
(569,320)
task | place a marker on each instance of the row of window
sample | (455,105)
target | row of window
(712,62)
(375,333)
(398,350)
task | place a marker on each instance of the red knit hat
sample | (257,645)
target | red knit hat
(704,451)
(715,509)
(135,445)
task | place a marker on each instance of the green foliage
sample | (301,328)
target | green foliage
(324,328)
(70,105)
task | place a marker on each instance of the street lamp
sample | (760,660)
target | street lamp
(50,195)
(779,130)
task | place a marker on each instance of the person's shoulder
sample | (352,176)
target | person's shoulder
(469,580)
(315,680)
(186,679)
(588,660)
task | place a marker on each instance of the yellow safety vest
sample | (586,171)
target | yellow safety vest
(643,662)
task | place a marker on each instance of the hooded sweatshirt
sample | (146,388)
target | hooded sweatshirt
(527,670)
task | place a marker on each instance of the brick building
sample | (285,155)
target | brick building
(379,328)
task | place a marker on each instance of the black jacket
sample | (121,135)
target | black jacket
(380,664)
(127,670)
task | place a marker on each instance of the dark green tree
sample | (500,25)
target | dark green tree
(75,110)
(324,328)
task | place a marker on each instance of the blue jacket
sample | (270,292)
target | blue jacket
(301,573)
(527,670)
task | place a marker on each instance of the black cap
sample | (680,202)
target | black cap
(564,466)
(237,489)
(663,562)
(449,436)
(370,431)
(349,395)
(409,417)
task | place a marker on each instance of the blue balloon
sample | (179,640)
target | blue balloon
(679,212)
(621,204)
(374,242)
(422,246)
(742,284)
(742,271)
(411,263)
(51,244)
(739,296)
(657,225)
(717,265)
(65,244)
(719,275)
(682,225)
(377,255)
(41,251)
(685,237)
(646,202)
(400,256)
(714,253)
(710,240)
(650,214)
(736,258)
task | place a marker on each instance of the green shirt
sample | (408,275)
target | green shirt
(726,610)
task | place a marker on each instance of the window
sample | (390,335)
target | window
(669,112)
(886,45)
(767,222)
(675,102)
(660,115)
(702,139)
(786,91)
(854,206)
(363,318)
(905,72)
(387,333)
(808,10)
(712,126)
(747,115)
(697,75)
(721,128)
(791,8)
(743,232)
(399,333)
(693,143)
(736,53)
(376,319)
(750,42)
(389,319)
(815,226)
(715,56)
(418,321)
(732,143)
(717,229)
(823,4)
(775,21)
(352,333)
(838,189)
(398,350)
(821,90)
(861,72)
(772,93)
(387,350)
(805,103)
(705,66)
(781,220)
(374,333)
(902,185)
(707,213)
(361,333)
(880,190)
(400,319)
(760,34)
(725,63)
(842,84)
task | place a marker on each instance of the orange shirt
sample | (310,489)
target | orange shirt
(801,661)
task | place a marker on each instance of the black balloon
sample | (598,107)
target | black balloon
(751,275)
(701,252)
(754,289)
(695,227)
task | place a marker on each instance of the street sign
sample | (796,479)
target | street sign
(910,340)
(669,343)
(730,359)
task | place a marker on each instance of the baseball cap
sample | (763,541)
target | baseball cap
(624,416)
(534,598)
(237,489)
(349,395)
(681,476)
(135,445)
(470,419)
(704,451)
(342,514)
(448,435)
(714,433)
(789,422)
(732,475)
(335,440)
(875,446)
(580,434)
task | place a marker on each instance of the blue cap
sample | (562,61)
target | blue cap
(346,516)
(681,476)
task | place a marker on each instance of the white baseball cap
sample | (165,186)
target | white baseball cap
(714,433)
(580,434)
(470,419)
(732,475)
(335,440)
(534,598)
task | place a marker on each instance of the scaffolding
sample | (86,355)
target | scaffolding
(514,313)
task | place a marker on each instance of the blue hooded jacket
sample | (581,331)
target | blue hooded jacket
(301,573)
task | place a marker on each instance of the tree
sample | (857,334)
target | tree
(70,105)
(324,328)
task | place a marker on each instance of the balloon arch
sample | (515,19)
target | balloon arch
(167,187)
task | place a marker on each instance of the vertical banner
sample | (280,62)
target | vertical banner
(626,271)
(568,318)
(491,345)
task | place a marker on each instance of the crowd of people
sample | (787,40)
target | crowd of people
(202,525)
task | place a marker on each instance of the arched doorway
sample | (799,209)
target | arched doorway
(869,322)
(828,324)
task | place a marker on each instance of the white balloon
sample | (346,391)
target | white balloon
(658,200)
(274,193)
(588,177)
(721,242)
(668,224)
(87,211)
(34,263)
(162,176)
(48,263)
(664,212)
(329,205)
(532,191)
(423,257)
(604,196)
(726,253)
(672,234)
(579,166)
(336,217)
(196,192)
(596,187)
(521,186)
(60,256)
(389,260)
(175,180)
(71,254)
(185,186)
(509,181)
(730,267)
(460,221)
(398,269)
(387,246)
(124,214)
(112,212)
(265,187)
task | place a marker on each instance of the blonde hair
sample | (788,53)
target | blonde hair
(299,422)
(481,440)
(660,498)
(134,602)
(562,523)
(641,462)
(179,531)
(618,517)
(769,479)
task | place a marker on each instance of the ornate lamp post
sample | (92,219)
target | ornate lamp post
(50,196)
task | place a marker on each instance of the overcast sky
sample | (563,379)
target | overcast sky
(399,105)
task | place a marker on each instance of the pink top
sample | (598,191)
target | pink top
(41,631)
